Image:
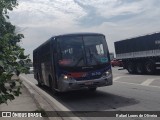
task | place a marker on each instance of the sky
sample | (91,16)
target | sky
(39,20)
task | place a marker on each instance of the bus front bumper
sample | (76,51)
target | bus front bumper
(69,85)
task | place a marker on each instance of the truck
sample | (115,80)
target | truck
(73,61)
(140,55)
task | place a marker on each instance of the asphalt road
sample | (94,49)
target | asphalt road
(128,93)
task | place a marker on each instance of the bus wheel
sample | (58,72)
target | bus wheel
(131,68)
(150,67)
(92,89)
(38,79)
(51,86)
(140,68)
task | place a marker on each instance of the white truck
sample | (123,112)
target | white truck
(140,55)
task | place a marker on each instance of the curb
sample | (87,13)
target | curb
(45,101)
(39,100)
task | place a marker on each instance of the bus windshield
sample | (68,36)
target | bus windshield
(77,51)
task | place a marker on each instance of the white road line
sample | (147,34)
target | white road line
(147,82)
(116,78)
(137,84)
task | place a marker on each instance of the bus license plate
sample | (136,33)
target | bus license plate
(88,83)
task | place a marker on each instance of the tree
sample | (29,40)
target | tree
(12,58)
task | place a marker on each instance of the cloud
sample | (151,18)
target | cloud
(106,10)
(51,12)
(111,8)
(117,19)
(37,13)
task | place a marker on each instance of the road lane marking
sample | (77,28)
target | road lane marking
(116,78)
(138,84)
(147,82)
(119,77)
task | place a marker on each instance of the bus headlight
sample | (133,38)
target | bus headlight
(107,73)
(65,77)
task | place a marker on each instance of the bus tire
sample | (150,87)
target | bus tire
(51,86)
(38,80)
(92,89)
(131,68)
(150,67)
(140,68)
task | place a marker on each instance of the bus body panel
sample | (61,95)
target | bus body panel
(48,71)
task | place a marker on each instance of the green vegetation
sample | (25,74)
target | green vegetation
(12,58)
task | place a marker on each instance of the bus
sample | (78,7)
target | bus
(73,62)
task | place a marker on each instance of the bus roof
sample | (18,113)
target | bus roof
(69,34)
(74,34)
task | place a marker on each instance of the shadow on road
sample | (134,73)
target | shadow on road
(85,100)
